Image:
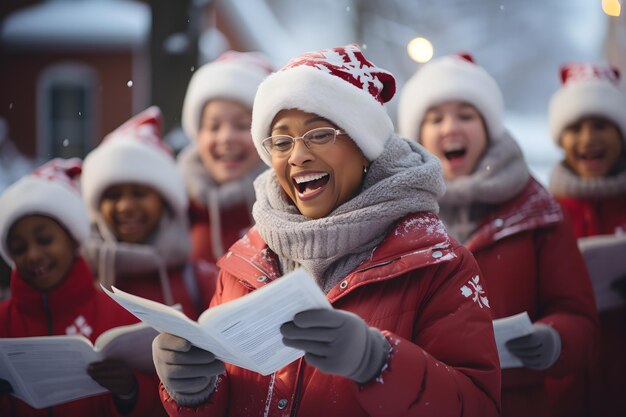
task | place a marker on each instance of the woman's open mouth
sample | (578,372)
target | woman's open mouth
(310,185)
(455,154)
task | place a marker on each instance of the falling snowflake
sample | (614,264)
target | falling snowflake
(476,291)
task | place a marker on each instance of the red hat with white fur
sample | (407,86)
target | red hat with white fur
(587,90)
(339,84)
(51,190)
(450,78)
(233,76)
(134,153)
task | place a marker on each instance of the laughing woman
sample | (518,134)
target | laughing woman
(355,206)
(515,229)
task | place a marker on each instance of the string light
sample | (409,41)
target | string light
(420,50)
(611,7)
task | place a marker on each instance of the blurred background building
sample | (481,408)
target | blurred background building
(73,70)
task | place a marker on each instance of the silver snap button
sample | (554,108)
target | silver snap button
(437,254)
(262,278)
(498,223)
(343,284)
(229,254)
(282,404)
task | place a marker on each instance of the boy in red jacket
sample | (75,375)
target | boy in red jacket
(43,224)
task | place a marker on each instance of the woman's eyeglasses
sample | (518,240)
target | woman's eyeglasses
(281,145)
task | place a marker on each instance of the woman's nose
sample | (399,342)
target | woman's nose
(300,153)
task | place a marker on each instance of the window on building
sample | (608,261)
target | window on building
(66,111)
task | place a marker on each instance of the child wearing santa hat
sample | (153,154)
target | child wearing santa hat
(512,225)
(220,163)
(43,225)
(588,121)
(138,210)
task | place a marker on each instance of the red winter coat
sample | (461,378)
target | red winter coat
(30,312)
(234,222)
(591,217)
(192,286)
(597,216)
(415,288)
(530,261)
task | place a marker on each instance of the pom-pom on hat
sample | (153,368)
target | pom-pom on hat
(339,84)
(134,153)
(233,75)
(51,190)
(587,90)
(450,78)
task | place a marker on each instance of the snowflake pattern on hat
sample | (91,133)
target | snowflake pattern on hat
(585,72)
(349,64)
(65,171)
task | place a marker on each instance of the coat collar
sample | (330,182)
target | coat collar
(533,208)
(415,242)
(78,285)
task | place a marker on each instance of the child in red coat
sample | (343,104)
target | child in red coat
(512,225)
(221,162)
(588,120)
(43,224)
(138,209)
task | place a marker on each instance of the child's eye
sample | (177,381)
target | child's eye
(16,249)
(44,240)
(466,116)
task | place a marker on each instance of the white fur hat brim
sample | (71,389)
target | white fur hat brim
(130,161)
(312,90)
(596,97)
(33,195)
(445,79)
(222,79)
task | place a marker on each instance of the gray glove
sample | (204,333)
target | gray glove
(188,373)
(338,342)
(538,350)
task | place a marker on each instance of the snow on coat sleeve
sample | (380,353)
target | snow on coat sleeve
(451,367)
(567,301)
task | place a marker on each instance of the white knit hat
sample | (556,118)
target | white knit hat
(453,77)
(587,90)
(51,190)
(339,84)
(233,75)
(134,153)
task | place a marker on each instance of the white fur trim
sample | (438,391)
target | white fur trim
(578,99)
(220,79)
(446,79)
(131,161)
(314,91)
(34,195)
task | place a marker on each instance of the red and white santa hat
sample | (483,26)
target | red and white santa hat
(339,84)
(587,90)
(233,75)
(51,190)
(134,153)
(450,78)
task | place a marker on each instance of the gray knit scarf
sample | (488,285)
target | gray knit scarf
(500,175)
(216,197)
(112,259)
(565,182)
(405,179)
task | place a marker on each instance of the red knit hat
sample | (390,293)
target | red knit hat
(134,152)
(51,190)
(587,90)
(339,84)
